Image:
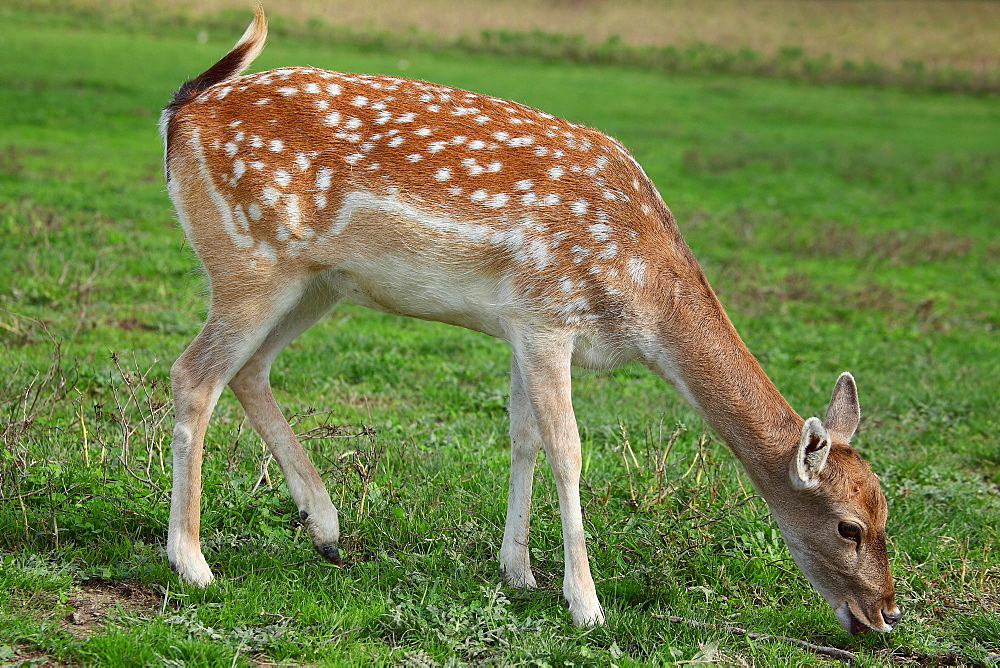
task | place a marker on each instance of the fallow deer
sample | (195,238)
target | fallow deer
(298,187)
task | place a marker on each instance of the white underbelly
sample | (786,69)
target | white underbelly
(407,286)
(460,296)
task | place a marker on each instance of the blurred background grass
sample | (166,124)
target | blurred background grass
(951,44)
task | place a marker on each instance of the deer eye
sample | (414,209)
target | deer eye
(850,531)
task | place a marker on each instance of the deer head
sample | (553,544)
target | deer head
(833,518)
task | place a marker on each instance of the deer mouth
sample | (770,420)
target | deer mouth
(851,622)
(856,625)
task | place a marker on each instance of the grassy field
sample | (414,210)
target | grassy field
(844,228)
(933,44)
(959,34)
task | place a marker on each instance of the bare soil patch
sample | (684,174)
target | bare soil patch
(99,600)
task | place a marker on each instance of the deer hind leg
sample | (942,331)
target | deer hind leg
(544,361)
(525,441)
(252,387)
(234,330)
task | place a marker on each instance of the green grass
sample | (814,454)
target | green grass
(845,228)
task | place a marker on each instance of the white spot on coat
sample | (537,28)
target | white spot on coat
(636,270)
(609,251)
(600,231)
(269,195)
(323,178)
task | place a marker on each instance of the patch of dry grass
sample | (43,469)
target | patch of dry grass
(941,34)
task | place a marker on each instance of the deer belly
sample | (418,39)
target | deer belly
(411,287)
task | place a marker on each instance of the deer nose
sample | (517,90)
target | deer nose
(892,618)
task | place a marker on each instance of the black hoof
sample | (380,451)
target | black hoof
(330,552)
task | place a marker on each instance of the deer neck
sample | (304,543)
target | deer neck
(698,351)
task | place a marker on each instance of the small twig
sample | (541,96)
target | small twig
(840,654)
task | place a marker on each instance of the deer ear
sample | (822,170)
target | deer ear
(814,448)
(844,413)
